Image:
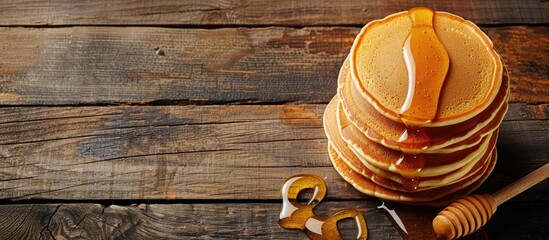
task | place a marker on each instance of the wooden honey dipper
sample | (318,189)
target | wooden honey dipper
(470,213)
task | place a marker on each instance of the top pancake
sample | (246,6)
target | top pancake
(472,81)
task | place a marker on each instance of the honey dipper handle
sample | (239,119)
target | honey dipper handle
(522,184)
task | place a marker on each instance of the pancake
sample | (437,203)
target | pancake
(471,84)
(391,180)
(435,197)
(433,164)
(419,102)
(389,133)
(418,184)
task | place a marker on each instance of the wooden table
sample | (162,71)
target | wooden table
(181,119)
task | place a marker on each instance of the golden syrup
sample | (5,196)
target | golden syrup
(410,184)
(414,138)
(373,135)
(409,166)
(427,64)
(410,138)
(295,215)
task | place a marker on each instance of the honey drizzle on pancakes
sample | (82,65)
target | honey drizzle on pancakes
(427,64)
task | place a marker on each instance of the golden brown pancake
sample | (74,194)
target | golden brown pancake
(394,181)
(387,132)
(434,197)
(435,163)
(472,82)
(417,111)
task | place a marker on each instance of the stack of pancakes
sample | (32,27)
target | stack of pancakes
(396,158)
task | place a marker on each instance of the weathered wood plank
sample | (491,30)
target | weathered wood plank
(527,65)
(90,65)
(169,221)
(188,152)
(263,12)
(230,220)
(199,152)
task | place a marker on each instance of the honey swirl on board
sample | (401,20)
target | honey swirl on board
(295,215)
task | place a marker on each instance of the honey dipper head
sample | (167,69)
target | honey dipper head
(379,68)
(464,216)
(443,228)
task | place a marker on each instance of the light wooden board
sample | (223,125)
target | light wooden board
(198,152)
(262,12)
(143,65)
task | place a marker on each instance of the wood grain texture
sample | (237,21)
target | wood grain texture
(522,184)
(170,221)
(217,169)
(104,64)
(226,221)
(262,12)
(98,65)
(185,152)
(200,152)
(26,221)
(526,64)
